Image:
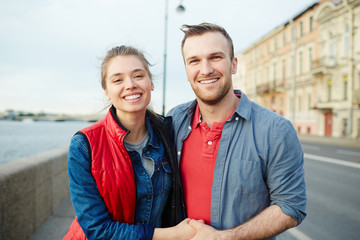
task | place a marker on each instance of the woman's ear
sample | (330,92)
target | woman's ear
(107,95)
(152,86)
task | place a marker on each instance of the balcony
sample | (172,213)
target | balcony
(263,88)
(322,65)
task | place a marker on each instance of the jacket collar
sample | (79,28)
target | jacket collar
(121,131)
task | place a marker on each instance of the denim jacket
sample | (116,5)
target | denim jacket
(259,163)
(151,193)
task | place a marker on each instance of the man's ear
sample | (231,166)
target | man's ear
(234,65)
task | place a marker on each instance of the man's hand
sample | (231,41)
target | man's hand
(204,231)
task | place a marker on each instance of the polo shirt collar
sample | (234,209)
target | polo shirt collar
(244,107)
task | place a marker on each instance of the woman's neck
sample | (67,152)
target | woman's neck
(135,123)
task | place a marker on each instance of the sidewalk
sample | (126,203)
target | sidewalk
(331,140)
(57,225)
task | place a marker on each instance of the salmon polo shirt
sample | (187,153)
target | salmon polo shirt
(197,166)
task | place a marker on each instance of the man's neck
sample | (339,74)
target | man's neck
(220,111)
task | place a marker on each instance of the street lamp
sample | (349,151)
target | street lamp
(179,9)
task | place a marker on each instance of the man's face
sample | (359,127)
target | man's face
(209,67)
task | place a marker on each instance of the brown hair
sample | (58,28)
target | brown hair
(197,30)
(122,51)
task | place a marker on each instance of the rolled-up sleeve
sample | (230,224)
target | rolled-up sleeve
(285,172)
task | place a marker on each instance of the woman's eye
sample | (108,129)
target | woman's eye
(139,76)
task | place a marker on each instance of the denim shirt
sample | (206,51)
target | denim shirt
(259,163)
(151,193)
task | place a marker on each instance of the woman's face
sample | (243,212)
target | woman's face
(128,84)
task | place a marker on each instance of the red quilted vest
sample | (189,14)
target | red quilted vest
(112,170)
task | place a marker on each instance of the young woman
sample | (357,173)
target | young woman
(123,173)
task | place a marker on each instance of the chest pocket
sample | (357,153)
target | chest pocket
(167,175)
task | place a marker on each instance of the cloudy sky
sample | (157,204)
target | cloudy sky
(50,51)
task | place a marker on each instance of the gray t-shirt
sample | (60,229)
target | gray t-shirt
(147,163)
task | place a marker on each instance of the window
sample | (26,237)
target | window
(309,101)
(284,37)
(311,19)
(346,41)
(310,59)
(283,69)
(293,33)
(345,87)
(299,103)
(300,62)
(275,44)
(274,73)
(329,89)
(301,29)
(332,46)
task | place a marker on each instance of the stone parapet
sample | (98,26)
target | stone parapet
(31,190)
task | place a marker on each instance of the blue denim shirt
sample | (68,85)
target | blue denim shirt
(259,163)
(151,193)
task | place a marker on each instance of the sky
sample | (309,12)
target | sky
(50,51)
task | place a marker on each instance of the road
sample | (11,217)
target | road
(332,175)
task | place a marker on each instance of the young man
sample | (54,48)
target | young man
(241,164)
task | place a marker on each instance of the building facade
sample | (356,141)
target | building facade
(308,69)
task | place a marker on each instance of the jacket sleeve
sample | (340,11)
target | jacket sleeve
(89,206)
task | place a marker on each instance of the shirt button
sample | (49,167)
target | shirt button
(143,221)
(179,153)
(209,142)
(148,196)
(189,127)
(148,152)
(237,118)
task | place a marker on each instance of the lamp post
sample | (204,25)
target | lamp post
(179,9)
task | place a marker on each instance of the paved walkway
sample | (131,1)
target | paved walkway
(57,225)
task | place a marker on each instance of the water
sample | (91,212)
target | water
(23,139)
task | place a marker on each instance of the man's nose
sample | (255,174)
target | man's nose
(206,68)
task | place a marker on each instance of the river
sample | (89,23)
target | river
(19,139)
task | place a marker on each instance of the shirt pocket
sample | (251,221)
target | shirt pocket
(166,176)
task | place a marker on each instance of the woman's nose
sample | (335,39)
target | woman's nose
(130,83)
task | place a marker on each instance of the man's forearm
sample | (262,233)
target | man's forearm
(270,222)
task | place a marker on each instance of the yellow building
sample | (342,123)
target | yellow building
(289,70)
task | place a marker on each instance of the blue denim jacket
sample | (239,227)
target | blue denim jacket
(259,163)
(151,193)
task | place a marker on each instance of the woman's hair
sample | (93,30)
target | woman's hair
(200,29)
(122,51)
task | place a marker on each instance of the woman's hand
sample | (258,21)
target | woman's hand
(182,231)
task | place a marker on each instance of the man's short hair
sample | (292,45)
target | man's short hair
(197,30)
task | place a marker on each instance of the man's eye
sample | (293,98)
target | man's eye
(193,61)
(118,80)
(216,57)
